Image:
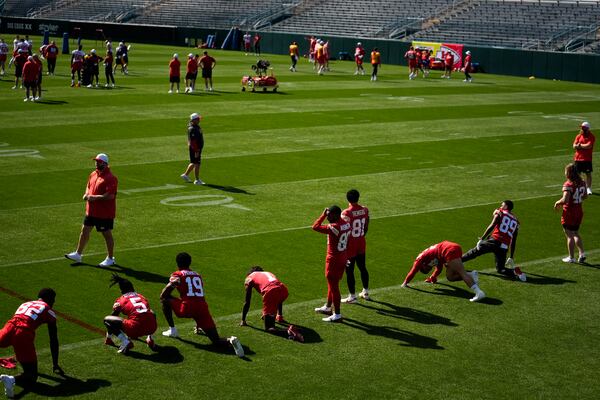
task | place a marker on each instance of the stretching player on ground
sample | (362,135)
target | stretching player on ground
(140,321)
(273,293)
(191,304)
(499,236)
(448,254)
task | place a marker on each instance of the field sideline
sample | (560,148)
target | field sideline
(431,157)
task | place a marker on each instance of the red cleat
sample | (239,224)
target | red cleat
(108,341)
(294,334)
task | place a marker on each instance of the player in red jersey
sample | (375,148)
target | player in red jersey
(499,236)
(77,57)
(191,74)
(448,254)
(359,55)
(574,193)
(273,293)
(174,72)
(467,68)
(584,150)
(358,218)
(19,332)
(338,233)
(191,304)
(411,58)
(448,64)
(140,321)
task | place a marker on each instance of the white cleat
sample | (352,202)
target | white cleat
(568,260)
(108,261)
(237,346)
(198,182)
(185,178)
(475,276)
(74,256)
(125,346)
(170,91)
(333,318)
(364,294)
(351,299)
(479,295)
(9,385)
(589,191)
(171,332)
(323,310)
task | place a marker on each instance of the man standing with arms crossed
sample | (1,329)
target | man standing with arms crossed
(358,217)
(207,63)
(584,149)
(100,209)
(195,145)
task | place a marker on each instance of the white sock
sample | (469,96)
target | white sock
(122,337)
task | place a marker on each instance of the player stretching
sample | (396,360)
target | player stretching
(358,217)
(273,293)
(19,332)
(448,254)
(140,321)
(504,229)
(191,304)
(338,233)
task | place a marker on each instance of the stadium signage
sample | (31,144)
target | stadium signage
(19,25)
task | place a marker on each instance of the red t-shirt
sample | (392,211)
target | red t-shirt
(411,56)
(449,59)
(134,306)
(189,285)
(577,192)
(505,228)
(101,182)
(262,281)
(30,71)
(435,256)
(584,154)
(51,51)
(32,314)
(358,218)
(206,62)
(174,67)
(192,66)
(337,233)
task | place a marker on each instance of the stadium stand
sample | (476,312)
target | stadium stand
(21,8)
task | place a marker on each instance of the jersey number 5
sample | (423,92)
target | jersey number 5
(140,307)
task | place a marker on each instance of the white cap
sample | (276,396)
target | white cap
(190,55)
(175,55)
(585,125)
(93,51)
(121,44)
(468,52)
(195,116)
(30,58)
(102,157)
(359,44)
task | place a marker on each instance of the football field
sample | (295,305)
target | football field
(432,158)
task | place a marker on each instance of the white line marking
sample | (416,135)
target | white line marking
(526,180)
(168,186)
(499,176)
(517,143)
(361,151)
(425,162)
(495,140)
(308,304)
(382,155)
(561,150)
(211,239)
(553,186)
(404,158)
(540,146)
(474,172)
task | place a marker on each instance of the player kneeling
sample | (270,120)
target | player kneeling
(140,321)
(273,293)
(448,254)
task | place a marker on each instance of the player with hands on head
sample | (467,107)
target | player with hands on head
(192,304)
(140,321)
(338,233)
(273,293)
(500,236)
(445,254)
(19,332)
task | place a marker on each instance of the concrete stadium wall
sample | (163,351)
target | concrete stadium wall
(549,65)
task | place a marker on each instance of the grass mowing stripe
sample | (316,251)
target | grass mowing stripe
(269,232)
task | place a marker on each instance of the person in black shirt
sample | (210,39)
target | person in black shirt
(195,144)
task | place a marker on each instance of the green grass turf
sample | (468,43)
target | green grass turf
(432,159)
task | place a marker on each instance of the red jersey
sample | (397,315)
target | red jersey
(101,182)
(505,228)
(51,51)
(207,62)
(189,285)
(449,59)
(467,64)
(359,54)
(435,256)
(337,233)
(411,56)
(192,66)
(577,192)
(134,306)
(30,71)
(174,67)
(262,281)
(358,218)
(584,154)
(32,314)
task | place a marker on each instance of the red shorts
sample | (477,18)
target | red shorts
(22,341)
(356,247)
(335,267)
(273,298)
(412,63)
(247,46)
(359,61)
(76,66)
(2,57)
(572,217)
(135,328)
(321,59)
(198,310)
(453,252)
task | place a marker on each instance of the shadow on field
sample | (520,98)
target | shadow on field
(218,349)
(586,264)
(66,386)
(310,335)
(139,275)
(408,314)
(533,279)
(229,189)
(453,291)
(408,339)
(52,102)
(162,355)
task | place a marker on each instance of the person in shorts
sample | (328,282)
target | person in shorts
(584,150)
